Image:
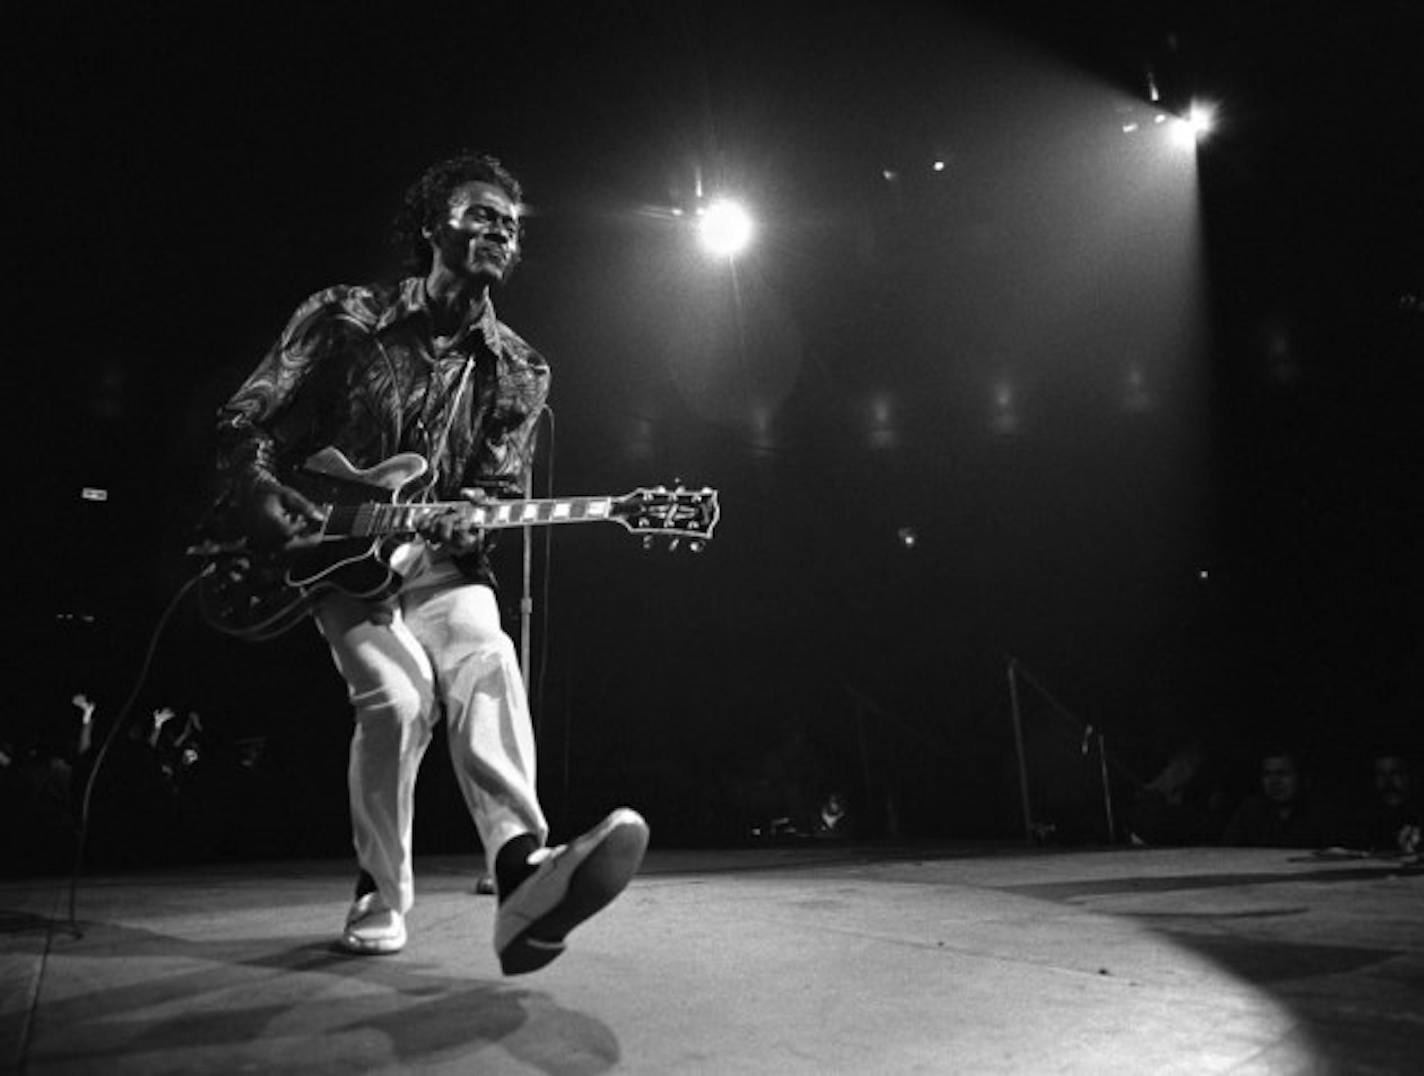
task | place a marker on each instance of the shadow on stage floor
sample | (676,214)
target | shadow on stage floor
(777,960)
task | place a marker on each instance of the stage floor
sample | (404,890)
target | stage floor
(773,960)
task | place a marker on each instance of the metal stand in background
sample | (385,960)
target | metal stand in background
(526,602)
(885,719)
(526,591)
(1090,736)
(1019,750)
(862,704)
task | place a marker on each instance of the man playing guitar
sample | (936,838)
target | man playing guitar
(424,366)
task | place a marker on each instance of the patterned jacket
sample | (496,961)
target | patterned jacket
(358,368)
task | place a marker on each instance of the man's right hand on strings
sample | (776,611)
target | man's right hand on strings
(275,515)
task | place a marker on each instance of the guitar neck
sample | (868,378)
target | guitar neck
(376,520)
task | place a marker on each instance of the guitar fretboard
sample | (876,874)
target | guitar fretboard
(373,520)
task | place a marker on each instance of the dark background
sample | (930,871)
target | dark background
(1151,422)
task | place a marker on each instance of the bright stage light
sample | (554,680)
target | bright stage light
(1201,118)
(1194,127)
(726,228)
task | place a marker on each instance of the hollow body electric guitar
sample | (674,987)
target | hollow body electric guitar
(258,594)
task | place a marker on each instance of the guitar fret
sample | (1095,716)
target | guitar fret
(371,519)
(383,519)
(522,513)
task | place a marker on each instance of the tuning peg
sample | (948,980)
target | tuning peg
(696,546)
(673,544)
(647,541)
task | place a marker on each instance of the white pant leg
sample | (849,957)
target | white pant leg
(391,685)
(486,708)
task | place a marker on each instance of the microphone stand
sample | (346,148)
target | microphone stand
(526,595)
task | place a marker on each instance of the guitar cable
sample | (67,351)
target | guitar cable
(122,719)
(120,722)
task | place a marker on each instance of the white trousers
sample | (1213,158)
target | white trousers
(435,648)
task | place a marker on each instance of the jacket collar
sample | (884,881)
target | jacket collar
(411,301)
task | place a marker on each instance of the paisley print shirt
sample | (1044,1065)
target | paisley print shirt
(359,368)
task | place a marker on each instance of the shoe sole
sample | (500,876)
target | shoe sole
(594,884)
(390,940)
(350,948)
(354,945)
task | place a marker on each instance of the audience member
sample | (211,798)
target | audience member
(1281,814)
(1390,819)
(84,741)
(1182,805)
(37,820)
(834,820)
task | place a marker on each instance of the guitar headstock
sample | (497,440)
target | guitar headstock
(677,515)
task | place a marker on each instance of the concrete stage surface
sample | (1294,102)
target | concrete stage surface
(816,959)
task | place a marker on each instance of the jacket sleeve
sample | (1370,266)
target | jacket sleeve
(248,424)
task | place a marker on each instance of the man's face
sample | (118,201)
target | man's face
(1392,780)
(1280,779)
(479,239)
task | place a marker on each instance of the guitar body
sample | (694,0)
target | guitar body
(259,595)
(355,564)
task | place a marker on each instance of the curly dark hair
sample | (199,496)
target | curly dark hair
(427,201)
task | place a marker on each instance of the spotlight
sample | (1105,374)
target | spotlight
(726,228)
(1201,119)
(1195,126)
